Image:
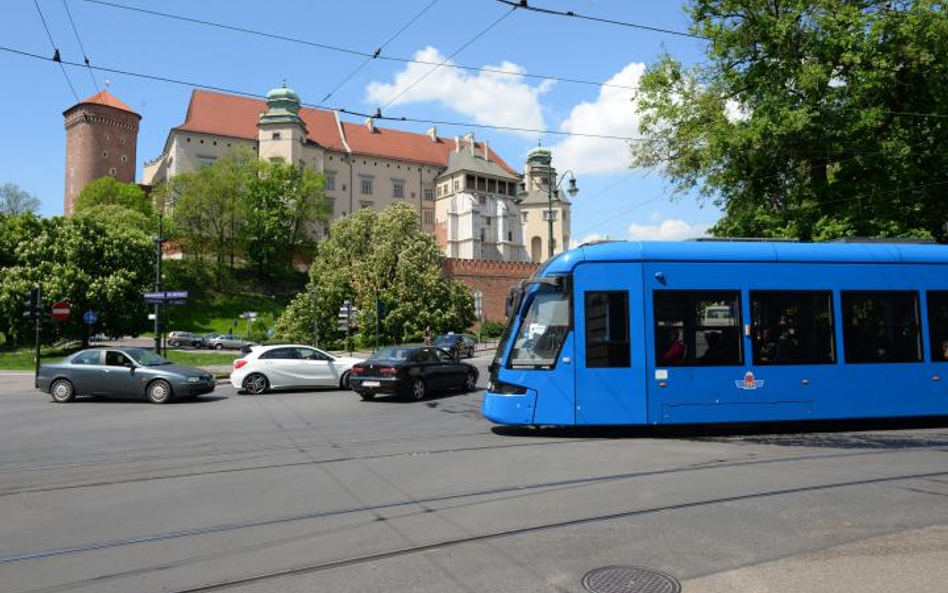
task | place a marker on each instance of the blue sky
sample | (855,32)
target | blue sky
(613,200)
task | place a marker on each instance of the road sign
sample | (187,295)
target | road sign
(90,317)
(270,333)
(249,315)
(166,295)
(61,311)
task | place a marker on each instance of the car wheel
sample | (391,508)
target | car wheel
(344,381)
(255,384)
(62,391)
(159,392)
(173,343)
(418,389)
(367,396)
(218,346)
(470,382)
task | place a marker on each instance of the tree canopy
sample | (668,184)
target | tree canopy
(386,254)
(107,191)
(15,200)
(812,119)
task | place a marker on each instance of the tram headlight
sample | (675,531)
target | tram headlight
(496,386)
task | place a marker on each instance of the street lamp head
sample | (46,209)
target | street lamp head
(573,190)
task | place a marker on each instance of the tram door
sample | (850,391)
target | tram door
(610,356)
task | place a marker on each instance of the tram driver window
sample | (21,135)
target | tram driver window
(792,327)
(697,328)
(607,330)
(938,325)
(881,326)
(543,330)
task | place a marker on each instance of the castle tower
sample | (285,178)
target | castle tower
(538,174)
(281,130)
(101,137)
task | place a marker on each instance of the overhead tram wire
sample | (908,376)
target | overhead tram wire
(56,57)
(350,51)
(375,55)
(454,53)
(572,14)
(85,56)
(232,91)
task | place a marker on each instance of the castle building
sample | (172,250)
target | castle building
(101,137)
(465,194)
(539,176)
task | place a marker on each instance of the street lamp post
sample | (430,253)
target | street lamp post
(159,242)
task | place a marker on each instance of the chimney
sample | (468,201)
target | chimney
(469,138)
(486,152)
(457,144)
(432,133)
(370,125)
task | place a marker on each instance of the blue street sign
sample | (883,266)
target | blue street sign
(90,317)
(270,333)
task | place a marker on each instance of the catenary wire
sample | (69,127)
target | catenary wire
(56,57)
(377,52)
(350,51)
(85,56)
(572,14)
(244,93)
(464,46)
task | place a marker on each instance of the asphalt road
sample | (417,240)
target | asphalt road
(320,491)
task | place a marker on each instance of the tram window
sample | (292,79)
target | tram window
(881,326)
(697,328)
(938,325)
(792,327)
(607,330)
(543,329)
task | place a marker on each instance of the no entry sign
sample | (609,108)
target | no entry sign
(61,311)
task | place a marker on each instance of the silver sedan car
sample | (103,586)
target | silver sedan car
(128,373)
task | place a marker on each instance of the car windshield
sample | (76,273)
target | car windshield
(146,358)
(392,353)
(441,340)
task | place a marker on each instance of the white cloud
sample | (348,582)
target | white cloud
(486,97)
(667,230)
(613,114)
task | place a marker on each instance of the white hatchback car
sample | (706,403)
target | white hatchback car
(288,366)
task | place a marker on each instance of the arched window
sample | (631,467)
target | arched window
(536,249)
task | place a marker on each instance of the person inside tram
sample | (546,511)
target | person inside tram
(674,352)
(717,351)
(769,345)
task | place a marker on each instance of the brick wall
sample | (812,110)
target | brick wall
(494,279)
(100,142)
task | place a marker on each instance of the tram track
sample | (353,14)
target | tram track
(484,492)
(319,567)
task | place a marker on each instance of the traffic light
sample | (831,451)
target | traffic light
(32,305)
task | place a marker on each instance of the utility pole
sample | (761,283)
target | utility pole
(549,213)
(378,313)
(159,241)
(38,325)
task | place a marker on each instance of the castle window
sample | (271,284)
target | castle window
(398,188)
(330,181)
(105,154)
(491,186)
(112,171)
(469,181)
(429,194)
(188,138)
(366,185)
(124,158)
(510,236)
(202,140)
(482,200)
(276,136)
(428,216)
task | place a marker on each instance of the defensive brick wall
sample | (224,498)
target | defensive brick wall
(494,279)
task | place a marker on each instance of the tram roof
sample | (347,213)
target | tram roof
(749,251)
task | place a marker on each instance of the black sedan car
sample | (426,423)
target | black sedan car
(411,372)
(127,373)
(457,344)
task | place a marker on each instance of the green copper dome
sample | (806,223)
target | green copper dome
(283,93)
(283,106)
(540,155)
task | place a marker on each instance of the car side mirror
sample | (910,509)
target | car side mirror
(129,366)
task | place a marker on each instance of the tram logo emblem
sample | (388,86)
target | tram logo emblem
(749,382)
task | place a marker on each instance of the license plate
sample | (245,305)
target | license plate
(371,384)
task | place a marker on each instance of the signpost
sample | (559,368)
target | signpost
(347,314)
(90,318)
(162,298)
(61,311)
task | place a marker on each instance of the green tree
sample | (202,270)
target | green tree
(281,209)
(113,214)
(105,268)
(208,211)
(109,191)
(15,201)
(809,118)
(385,254)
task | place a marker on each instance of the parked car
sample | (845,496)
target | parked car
(220,342)
(176,339)
(128,373)
(457,344)
(411,372)
(287,366)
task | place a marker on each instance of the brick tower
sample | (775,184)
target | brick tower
(101,136)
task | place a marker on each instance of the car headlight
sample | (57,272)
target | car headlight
(194,379)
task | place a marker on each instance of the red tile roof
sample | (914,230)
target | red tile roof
(106,98)
(234,116)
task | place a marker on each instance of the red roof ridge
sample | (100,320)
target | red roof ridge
(106,98)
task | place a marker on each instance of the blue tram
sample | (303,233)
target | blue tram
(629,333)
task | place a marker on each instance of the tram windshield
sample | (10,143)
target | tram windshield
(543,329)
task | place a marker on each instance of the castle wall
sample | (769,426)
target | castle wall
(493,279)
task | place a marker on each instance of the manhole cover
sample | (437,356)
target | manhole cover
(629,579)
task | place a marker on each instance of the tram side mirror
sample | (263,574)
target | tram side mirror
(509,304)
